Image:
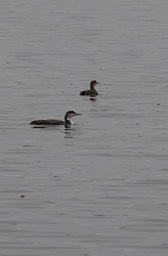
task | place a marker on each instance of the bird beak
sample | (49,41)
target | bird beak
(77,114)
(98,83)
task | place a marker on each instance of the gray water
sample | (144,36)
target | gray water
(101,188)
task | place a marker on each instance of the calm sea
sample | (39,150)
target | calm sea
(100,188)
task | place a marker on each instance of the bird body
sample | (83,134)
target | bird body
(92,92)
(48,122)
(53,122)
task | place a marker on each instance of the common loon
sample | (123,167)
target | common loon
(92,92)
(51,122)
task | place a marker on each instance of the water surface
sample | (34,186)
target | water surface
(100,188)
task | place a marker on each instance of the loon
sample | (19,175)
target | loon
(92,92)
(51,122)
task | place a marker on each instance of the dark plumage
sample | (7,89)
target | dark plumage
(52,122)
(48,122)
(92,92)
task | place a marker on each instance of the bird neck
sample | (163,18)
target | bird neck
(68,121)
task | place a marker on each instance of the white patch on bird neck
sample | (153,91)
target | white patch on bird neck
(70,120)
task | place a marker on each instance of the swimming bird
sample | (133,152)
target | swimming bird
(92,92)
(52,122)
